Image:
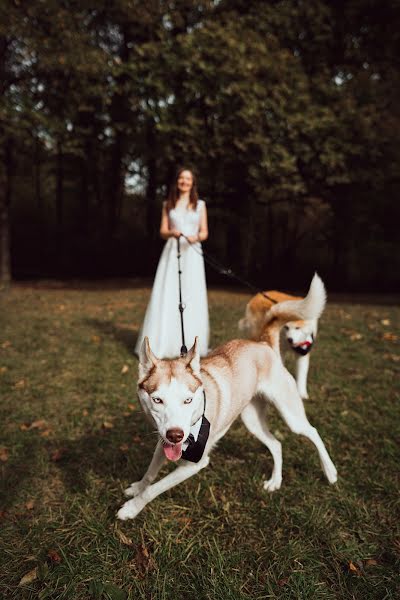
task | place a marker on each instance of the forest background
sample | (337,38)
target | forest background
(288,111)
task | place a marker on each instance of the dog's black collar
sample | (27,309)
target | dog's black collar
(195,449)
(306,350)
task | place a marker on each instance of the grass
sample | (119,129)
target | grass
(73,438)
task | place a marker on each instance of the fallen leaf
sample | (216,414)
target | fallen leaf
(57,455)
(45,433)
(24,426)
(137,439)
(355,337)
(107,425)
(123,538)
(29,577)
(39,424)
(96,339)
(3,370)
(54,557)
(131,407)
(124,447)
(4,454)
(143,560)
(392,357)
(85,412)
(20,384)
(354,568)
(282,582)
(30,504)
(385,322)
(390,337)
(6,344)
(3,514)
(371,562)
(124,369)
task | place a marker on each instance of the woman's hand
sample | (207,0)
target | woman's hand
(192,239)
(175,233)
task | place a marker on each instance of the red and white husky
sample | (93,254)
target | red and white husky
(298,334)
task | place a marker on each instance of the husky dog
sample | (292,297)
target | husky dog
(298,335)
(193,403)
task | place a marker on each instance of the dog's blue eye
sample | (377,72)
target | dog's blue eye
(157,400)
(188,400)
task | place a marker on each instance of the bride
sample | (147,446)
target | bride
(183,214)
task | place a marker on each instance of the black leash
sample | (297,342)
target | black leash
(195,448)
(182,306)
(215,264)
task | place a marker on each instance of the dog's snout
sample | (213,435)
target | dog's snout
(290,340)
(175,435)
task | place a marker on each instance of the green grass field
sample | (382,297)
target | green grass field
(73,438)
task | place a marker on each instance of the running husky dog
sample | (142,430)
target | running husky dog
(298,335)
(193,404)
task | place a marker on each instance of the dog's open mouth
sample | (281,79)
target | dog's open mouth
(302,345)
(172,451)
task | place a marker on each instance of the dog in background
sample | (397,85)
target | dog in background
(193,403)
(298,335)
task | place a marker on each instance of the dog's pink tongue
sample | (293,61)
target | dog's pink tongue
(173,452)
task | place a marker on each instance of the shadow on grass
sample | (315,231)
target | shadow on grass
(123,335)
(18,470)
(122,452)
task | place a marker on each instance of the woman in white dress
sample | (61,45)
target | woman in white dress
(183,214)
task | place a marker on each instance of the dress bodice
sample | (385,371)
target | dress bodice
(187,221)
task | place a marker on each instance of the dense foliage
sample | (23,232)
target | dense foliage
(287,110)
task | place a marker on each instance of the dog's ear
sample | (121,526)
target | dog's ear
(147,360)
(193,357)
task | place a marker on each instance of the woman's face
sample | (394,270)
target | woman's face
(185,181)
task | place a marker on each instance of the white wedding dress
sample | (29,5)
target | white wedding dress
(162,323)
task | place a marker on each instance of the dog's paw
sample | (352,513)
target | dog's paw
(304,395)
(134,489)
(331,473)
(130,510)
(273,484)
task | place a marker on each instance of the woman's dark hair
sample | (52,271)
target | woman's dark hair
(173,194)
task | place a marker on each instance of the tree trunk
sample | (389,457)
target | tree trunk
(60,187)
(5,201)
(116,185)
(37,176)
(152,212)
(84,191)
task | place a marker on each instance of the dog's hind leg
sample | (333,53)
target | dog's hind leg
(254,417)
(302,365)
(185,470)
(154,467)
(286,398)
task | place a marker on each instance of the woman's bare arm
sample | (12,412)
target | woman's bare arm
(165,231)
(203,229)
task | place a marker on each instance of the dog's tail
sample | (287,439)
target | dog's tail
(310,307)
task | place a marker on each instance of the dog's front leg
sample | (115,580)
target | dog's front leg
(154,467)
(302,365)
(133,507)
